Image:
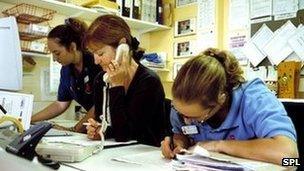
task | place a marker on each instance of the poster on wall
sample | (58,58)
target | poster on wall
(236,41)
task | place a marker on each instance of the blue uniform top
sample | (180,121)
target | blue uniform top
(254,113)
(79,87)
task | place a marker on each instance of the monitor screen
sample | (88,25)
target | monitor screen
(10,55)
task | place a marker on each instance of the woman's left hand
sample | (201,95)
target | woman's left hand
(117,73)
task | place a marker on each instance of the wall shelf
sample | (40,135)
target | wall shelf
(291,100)
(159,69)
(71,10)
(31,54)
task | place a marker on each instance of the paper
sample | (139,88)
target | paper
(206,36)
(260,8)
(239,14)
(262,37)
(277,49)
(301,4)
(284,6)
(194,161)
(206,14)
(151,158)
(236,41)
(296,42)
(285,16)
(82,140)
(18,105)
(254,55)
(55,68)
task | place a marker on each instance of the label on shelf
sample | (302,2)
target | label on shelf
(37,46)
(39,29)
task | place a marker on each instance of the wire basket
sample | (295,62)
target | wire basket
(34,46)
(26,13)
(32,31)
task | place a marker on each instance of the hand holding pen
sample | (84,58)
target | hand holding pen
(93,129)
(169,148)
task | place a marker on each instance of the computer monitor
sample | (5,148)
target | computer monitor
(10,55)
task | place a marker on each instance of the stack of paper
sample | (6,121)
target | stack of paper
(198,162)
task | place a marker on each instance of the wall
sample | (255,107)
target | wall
(163,40)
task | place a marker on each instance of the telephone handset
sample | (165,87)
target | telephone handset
(120,51)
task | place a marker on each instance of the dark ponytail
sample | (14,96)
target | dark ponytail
(136,50)
(72,31)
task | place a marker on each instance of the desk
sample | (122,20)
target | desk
(144,154)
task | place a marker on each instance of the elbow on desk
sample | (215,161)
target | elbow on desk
(288,151)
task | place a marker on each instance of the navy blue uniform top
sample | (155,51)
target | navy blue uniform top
(79,87)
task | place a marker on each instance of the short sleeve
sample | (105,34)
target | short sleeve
(267,116)
(63,89)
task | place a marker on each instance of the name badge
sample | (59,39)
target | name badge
(189,129)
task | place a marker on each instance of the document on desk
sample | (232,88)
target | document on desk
(82,140)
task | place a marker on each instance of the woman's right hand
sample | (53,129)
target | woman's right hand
(93,129)
(167,151)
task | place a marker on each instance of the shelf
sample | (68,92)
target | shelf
(159,69)
(71,10)
(31,54)
(291,100)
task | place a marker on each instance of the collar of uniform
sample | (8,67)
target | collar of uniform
(231,121)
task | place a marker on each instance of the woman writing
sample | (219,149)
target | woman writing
(228,114)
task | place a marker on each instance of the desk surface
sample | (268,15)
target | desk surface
(145,158)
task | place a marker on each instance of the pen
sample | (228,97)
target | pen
(87,123)
(172,146)
(2,109)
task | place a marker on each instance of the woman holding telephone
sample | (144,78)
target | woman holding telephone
(129,98)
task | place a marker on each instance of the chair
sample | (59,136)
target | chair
(295,112)
(167,108)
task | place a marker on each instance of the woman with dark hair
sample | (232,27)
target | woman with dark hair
(131,100)
(77,73)
(214,107)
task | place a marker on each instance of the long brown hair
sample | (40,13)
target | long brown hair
(109,30)
(204,77)
(72,31)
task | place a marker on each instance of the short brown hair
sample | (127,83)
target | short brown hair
(109,30)
(205,76)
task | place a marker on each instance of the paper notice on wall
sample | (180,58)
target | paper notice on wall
(206,36)
(239,14)
(262,37)
(236,41)
(284,6)
(296,42)
(260,8)
(301,4)
(206,14)
(251,52)
(55,68)
(277,49)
